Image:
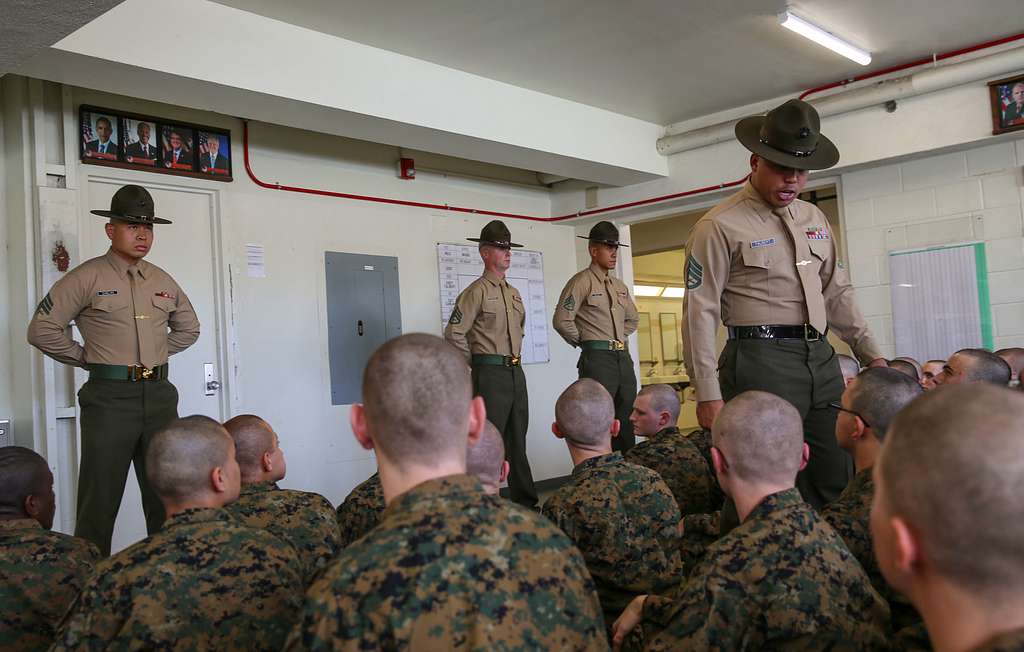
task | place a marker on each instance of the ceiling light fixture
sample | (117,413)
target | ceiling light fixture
(673,293)
(824,38)
(647,290)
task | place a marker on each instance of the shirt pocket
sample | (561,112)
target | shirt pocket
(597,300)
(162,309)
(756,257)
(820,249)
(488,312)
(110,303)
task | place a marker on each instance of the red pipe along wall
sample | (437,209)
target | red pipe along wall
(616,207)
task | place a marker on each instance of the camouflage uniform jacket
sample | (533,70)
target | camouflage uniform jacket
(41,573)
(203,582)
(625,521)
(305,520)
(361,510)
(850,516)
(1011,641)
(450,567)
(782,579)
(680,465)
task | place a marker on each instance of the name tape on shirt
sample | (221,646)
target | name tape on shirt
(757,244)
(106,293)
(817,233)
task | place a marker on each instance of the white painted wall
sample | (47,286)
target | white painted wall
(280,321)
(975,194)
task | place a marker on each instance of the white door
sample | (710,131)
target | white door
(186,250)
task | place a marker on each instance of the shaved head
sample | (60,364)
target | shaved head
(181,457)
(253,437)
(416,396)
(848,366)
(485,458)
(879,393)
(24,473)
(761,437)
(1013,356)
(976,366)
(584,414)
(663,399)
(952,467)
(906,367)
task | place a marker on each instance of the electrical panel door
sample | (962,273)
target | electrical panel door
(363,312)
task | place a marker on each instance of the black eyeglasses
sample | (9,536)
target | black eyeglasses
(839,407)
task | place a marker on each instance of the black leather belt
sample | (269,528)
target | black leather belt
(804,332)
(133,373)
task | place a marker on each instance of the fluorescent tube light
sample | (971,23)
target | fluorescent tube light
(647,290)
(824,38)
(673,293)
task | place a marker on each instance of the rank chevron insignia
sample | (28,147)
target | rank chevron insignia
(694,273)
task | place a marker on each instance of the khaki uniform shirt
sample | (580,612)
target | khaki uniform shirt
(305,520)
(41,573)
(749,264)
(361,510)
(203,582)
(781,580)
(488,318)
(625,521)
(594,305)
(128,315)
(450,567)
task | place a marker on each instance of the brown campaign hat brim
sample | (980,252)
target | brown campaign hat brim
(493,243)
(614,243)
(748,132)
(134,219)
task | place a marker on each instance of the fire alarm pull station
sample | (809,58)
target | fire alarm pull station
(406,168)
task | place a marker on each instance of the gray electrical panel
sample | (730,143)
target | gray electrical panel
(6,436)
(363,312)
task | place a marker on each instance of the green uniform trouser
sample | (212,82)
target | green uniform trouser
(118,419)
(614,370)
(508,408)
(807,375)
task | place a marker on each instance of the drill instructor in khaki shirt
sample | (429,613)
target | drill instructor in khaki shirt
(764,263)
(132,316)
(596,313)
(487,325)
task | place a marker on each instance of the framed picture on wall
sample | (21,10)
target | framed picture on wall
(177,147)
(1007,96)
(121,139)
(139,138)
(99,137)
(214,152)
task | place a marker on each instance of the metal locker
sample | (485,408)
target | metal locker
(363,312)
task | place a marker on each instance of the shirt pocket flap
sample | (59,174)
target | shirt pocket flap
(820,248)
(756,257)
(110,302)
(167,304)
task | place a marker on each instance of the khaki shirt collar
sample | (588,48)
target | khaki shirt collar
(600,272)
(760,206)
(493,278)
(121,266)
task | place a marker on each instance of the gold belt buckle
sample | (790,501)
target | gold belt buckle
(807,334)
(616,345)
(140,372)
(512,360)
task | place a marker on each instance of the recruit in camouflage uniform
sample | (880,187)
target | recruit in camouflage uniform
(680,464)
(41,573)
(783,577)
(305,520)
(450,566)
(204,582)
(850,517)
(625,521)
(361,510)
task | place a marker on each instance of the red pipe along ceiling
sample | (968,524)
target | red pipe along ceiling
(606,209)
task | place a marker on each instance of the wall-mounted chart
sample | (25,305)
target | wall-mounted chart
(459,265)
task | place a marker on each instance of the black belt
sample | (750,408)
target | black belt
(133,373)
(498,360)
(804,332)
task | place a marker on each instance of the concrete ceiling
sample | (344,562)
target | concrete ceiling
(30,26)
(651,59)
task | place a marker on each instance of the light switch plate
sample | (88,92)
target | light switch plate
(6,433)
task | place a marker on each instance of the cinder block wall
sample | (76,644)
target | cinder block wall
(971,195)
